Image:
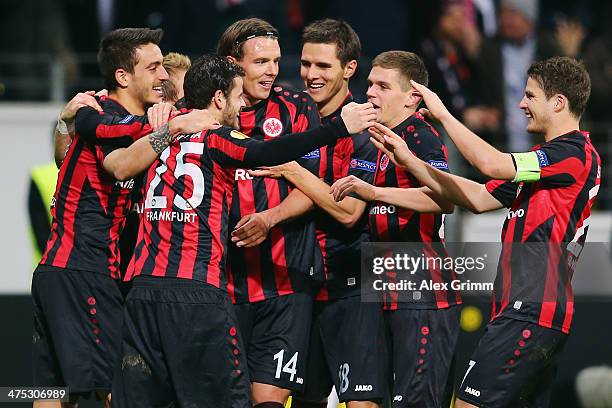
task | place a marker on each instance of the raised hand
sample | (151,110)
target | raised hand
(391,144)
(435,107)
(80,100)
(159,114)
(192,122)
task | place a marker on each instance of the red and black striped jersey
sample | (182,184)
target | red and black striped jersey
(389,223)
(188,193)
(550,218)
(284,262)
(341,246)
(89,206)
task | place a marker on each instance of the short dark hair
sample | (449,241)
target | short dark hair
(328,31)
(207,75)
(410,66)
(118,51)
(565,76)
(232,40)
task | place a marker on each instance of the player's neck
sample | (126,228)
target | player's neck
(335,102)
(250,101)
(407,112)
(561,127)
(131,104)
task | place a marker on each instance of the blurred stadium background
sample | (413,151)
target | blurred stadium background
(48,53)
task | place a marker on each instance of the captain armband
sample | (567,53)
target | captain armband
(529,165)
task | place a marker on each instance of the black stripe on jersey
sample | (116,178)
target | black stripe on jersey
(519,226)
(205,242)
(61,198)
(393,225)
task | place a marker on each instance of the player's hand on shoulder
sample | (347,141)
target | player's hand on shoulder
(352,184)
(192,122)
(159,114)
(358,116)
(79,101)
(391,144)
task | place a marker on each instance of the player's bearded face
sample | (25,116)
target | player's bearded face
(149,74)
(386,92)
(260,64)
(321,71)
(235,102)
(536,107)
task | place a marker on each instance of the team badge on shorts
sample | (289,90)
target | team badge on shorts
(272,127)
(384,162)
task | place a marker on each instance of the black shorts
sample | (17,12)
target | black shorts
(347,351)
(421,348)
(275,333)
(180,348)
(514,365)
(77,329)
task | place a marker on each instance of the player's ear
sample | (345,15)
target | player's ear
(560,103)
(232,59)
(350,68)
(412,98)
(122,77)
(219,99)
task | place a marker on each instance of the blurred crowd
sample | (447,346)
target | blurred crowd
(477,51)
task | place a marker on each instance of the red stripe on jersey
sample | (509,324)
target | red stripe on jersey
(70,208)
(134,130)
(252,255)
(323,161)
(322,240)
(549,302)
(223,145)
(283,284)
(426,232)
(215,222)
(247,122)
(301,124)
(569,166)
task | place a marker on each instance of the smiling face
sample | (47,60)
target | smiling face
(145,83)
(234,102)
(260,64)
(324,77)
(537,107)
(387,93)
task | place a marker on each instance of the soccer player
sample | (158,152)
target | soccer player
(176,65)
(270,282)
(180,342)
(549,191)
(329,57)
(422,332)
(77,304)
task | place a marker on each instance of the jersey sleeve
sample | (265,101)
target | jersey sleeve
(111,130)
(561,163)
(228,147)
(362,160)
(503,191)
(427,146)
(307,118)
